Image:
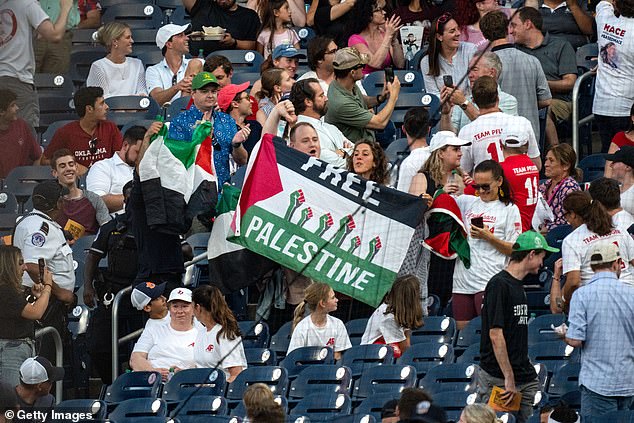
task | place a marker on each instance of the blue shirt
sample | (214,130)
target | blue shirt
(224,129)
(602,315)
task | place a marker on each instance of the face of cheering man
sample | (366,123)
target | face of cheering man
(65,171)
(205,98)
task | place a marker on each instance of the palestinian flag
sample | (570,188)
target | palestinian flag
(231,266)
(324,222)
(447,233)
(178,179)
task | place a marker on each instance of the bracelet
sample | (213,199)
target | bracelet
(236,145)
(235,43)
(378,99)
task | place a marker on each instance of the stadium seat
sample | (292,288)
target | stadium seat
(433,305)
(397,150)
(134,385)
(8,203)
(305,35)
(320,407)
(80,62)
(254,334)
(407,100)
(454,402)
(127,108)
(554,354)
(96,408)
(538,302)
(21,180)
(587,56)
(297,359)
(449,377)
(189,382)
(54,108)
(281,339)
(362,357)
(274,377)
(555,238)
(150,58)
(388,378)
(374,403)
(355,418)
(7,223)
(411,82)
(86,36)
(425,356)
(180,16)
(242,60)
(414,64)
(539,330)
(139,407)
(47,136)
(506,418)
(260,357)
(437,329)
(592,166)
(205,419)
(176,107)
(471,355)
(201,404)
(80,250)
(355,329)
(52,84)
(145,123)
(241,77)
(241,411)
(325,378)
(144,37)
(565,379)
(136,15)
(470,334)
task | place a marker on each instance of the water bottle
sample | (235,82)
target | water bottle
(452,181)
(530,319)
(201,54)
(170,375)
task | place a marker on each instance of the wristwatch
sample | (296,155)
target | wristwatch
(464,104)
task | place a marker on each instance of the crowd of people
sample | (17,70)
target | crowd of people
(498,161)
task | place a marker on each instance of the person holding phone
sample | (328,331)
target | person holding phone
(493,224)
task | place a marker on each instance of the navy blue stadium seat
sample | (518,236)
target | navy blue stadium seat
(180,16)
(47,136)
(362,357)
(471,355)
(281,339)
(433,305)
(425,356)
(21,180)
(260,357)
(139,407)
(411,82)
(453,403)
(7,223)
(50,83)
(254,335)
(355,329)
(449,377)
(150,58)
(407,100)
(506,417)
(539,330)
(145,123)
(205,419)
(80,251)
(80,62)
(8,203)
(398,149)
(587,56)
(201,405)
(241,77)
(176,107)
(244,60)
(565,379)
(136,15)
(188,382)
(554,354)
(555,238)
(592,166)
(437,329)
(96,408)
(241,410)
(355,418)
(297,359)
(321,407)
(134,385)
(128,108)
(414,64)
(85,36)
(305,35)
(470,334)
(374,403)
(388,378)
(325,378)
(53,108)
(276,378)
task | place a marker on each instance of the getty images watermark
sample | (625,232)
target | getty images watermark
(47,415)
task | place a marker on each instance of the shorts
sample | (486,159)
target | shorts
(466,306)
(561,110)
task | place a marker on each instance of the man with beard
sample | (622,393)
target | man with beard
(241,24)
(310,104)
(107,177)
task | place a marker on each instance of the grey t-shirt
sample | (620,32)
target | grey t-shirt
(457,69)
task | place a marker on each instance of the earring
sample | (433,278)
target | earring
(500,192)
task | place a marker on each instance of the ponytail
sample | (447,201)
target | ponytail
(504,192)
(594,215)
(314,294)
(211,299)
(298,315)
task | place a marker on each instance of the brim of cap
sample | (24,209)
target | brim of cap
(292,56)
(57,373)
(456,142)
(160,289)
(515,143)
(614,157)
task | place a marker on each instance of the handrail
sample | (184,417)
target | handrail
(575,110)
(115,330)
(59,357)
(189,268)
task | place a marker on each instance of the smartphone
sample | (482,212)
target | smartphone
(478,222)
(448,81)
(389,75)
(41,264)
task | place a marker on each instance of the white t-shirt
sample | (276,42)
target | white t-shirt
(333,335)
(484,134)
(577,246)
(158,322)
(486,261)
(382,325)
(623,220)
(167,347)
(627,200)
(614,91)
(127,78)
(410,166)
(208,351)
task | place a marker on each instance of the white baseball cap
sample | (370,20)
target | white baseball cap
(182,294)
(604,252)
(168,31)
(444,138)
(38,369)
(514,137)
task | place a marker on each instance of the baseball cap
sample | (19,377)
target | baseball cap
(531,240)
(182,294)
(445,138)
(624,155)
(427,412)
(202,79)
(38,369)
(145,292)
(287,50)
(604,252)
(348,58)
(50,191)
(228,93)
(168,31)
(514,137)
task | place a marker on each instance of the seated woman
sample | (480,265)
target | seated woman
(218,344)
(468,14)
(375,36)
(368,161)
(166,347)
(275,83)
(116,73)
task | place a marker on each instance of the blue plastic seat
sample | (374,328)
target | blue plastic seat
(437,329)
(425,356)
(326,378)
(305,35)
(80,62)
(506,417)
(281,339)
(388,378)
(407,100)
(355,329)
(150,58)
(565,379)
(374,403)
(276,378)
(587,57)
(398,149)
(145,123)
(411,82)
(320,407)
(470,334)
(7,223)
(362,357)
(241,410)
(136,15)
(195,418)
(188,382)
(554,354)
(47,136)
(539,330)
(176,107)
(555,238)
(244,60)
(471,355)
(50,83)
(8,203)
(254,334)
(453,403)
(449,377)
(592,166)
(139,407)
(128,108)
(241,77)
(301,357)
(180,16)
(97,408)
(134,385)
(203,404)
(54,107)
(260,357)
(355,418)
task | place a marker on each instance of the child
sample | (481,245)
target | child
(148,297)
(276,16)
(400,312)
(319,328)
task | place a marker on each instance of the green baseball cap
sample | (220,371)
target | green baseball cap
(202,79)
(531,240)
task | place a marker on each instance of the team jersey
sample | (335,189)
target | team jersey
(523,177)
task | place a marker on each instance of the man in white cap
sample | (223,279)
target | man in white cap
(602,324)
(168,348)
(37,376)
(168,79)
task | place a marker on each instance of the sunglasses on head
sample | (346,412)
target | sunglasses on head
(443,19)
(92,145)
(482,187)
(174,80)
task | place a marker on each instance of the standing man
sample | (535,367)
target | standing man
(623,171)
(18,146)
(504,341)
(416,129)
(602,325)
(235,101)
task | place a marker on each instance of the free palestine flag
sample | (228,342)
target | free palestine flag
(175,173)
(324,222)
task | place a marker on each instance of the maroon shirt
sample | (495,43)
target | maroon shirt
(87,148)
(81,211)
(17,147)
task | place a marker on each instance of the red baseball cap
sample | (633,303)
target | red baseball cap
(228,93)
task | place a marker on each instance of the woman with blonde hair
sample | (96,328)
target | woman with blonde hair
(478,413)
(319,328)
(116,73)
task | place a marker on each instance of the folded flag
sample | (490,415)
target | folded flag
(447,233)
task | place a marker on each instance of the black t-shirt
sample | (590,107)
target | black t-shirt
(335,29)
(505,307)
(242,23)
(12,303)
(254,136)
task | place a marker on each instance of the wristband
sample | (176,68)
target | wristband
(236,145)
(235,43)
(378,99)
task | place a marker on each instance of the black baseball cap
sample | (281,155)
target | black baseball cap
(624,155)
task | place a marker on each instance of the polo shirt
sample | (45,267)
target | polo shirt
(348,112)
(557,58)
(160,76)
(331,139)
(507,104)
(108,176)
(560,22)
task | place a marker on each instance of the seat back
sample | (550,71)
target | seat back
(201,405)
(398,149)
(47,136)
(96,408)
(437,329)
(362,357)
(139,407)
(8,203)
(305,35)
(587,57)
(55,107)
(411,82)
(470,334)
(241,410)
(325,378)
(319,406)
(242,77)
(281,339)
(260,357)
(21,180)
(176,107)
(194,418)
(53,84)
(539,330)
(407,100)
(254,334)
(449,377)
(388,378)
(7,223)
(425,356)
(150,58)
(188,382)
(592,166)
(297,359)
(555,238)
(246,60)
(134,385)
(276,378)
(565,379)
(554,354)
(128,108)
(374,403)
(355,329)
(471,355)
(136,15)
(80,62)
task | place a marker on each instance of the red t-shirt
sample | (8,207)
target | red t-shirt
(81,211)
(523,178)
(621,139)
(107,138)
(17,147)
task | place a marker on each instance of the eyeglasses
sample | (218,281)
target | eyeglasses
(174,80)
(378,8)
(358,67)
(333,51)
(443,19)
(482,187)
(92,145)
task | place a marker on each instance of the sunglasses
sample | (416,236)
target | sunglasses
(378,9)
(482,187)
(443,19)
(333,51)
(92,145)
(174,80)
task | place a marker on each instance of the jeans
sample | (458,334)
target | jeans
(486,382)
(13,352)
(594,405)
